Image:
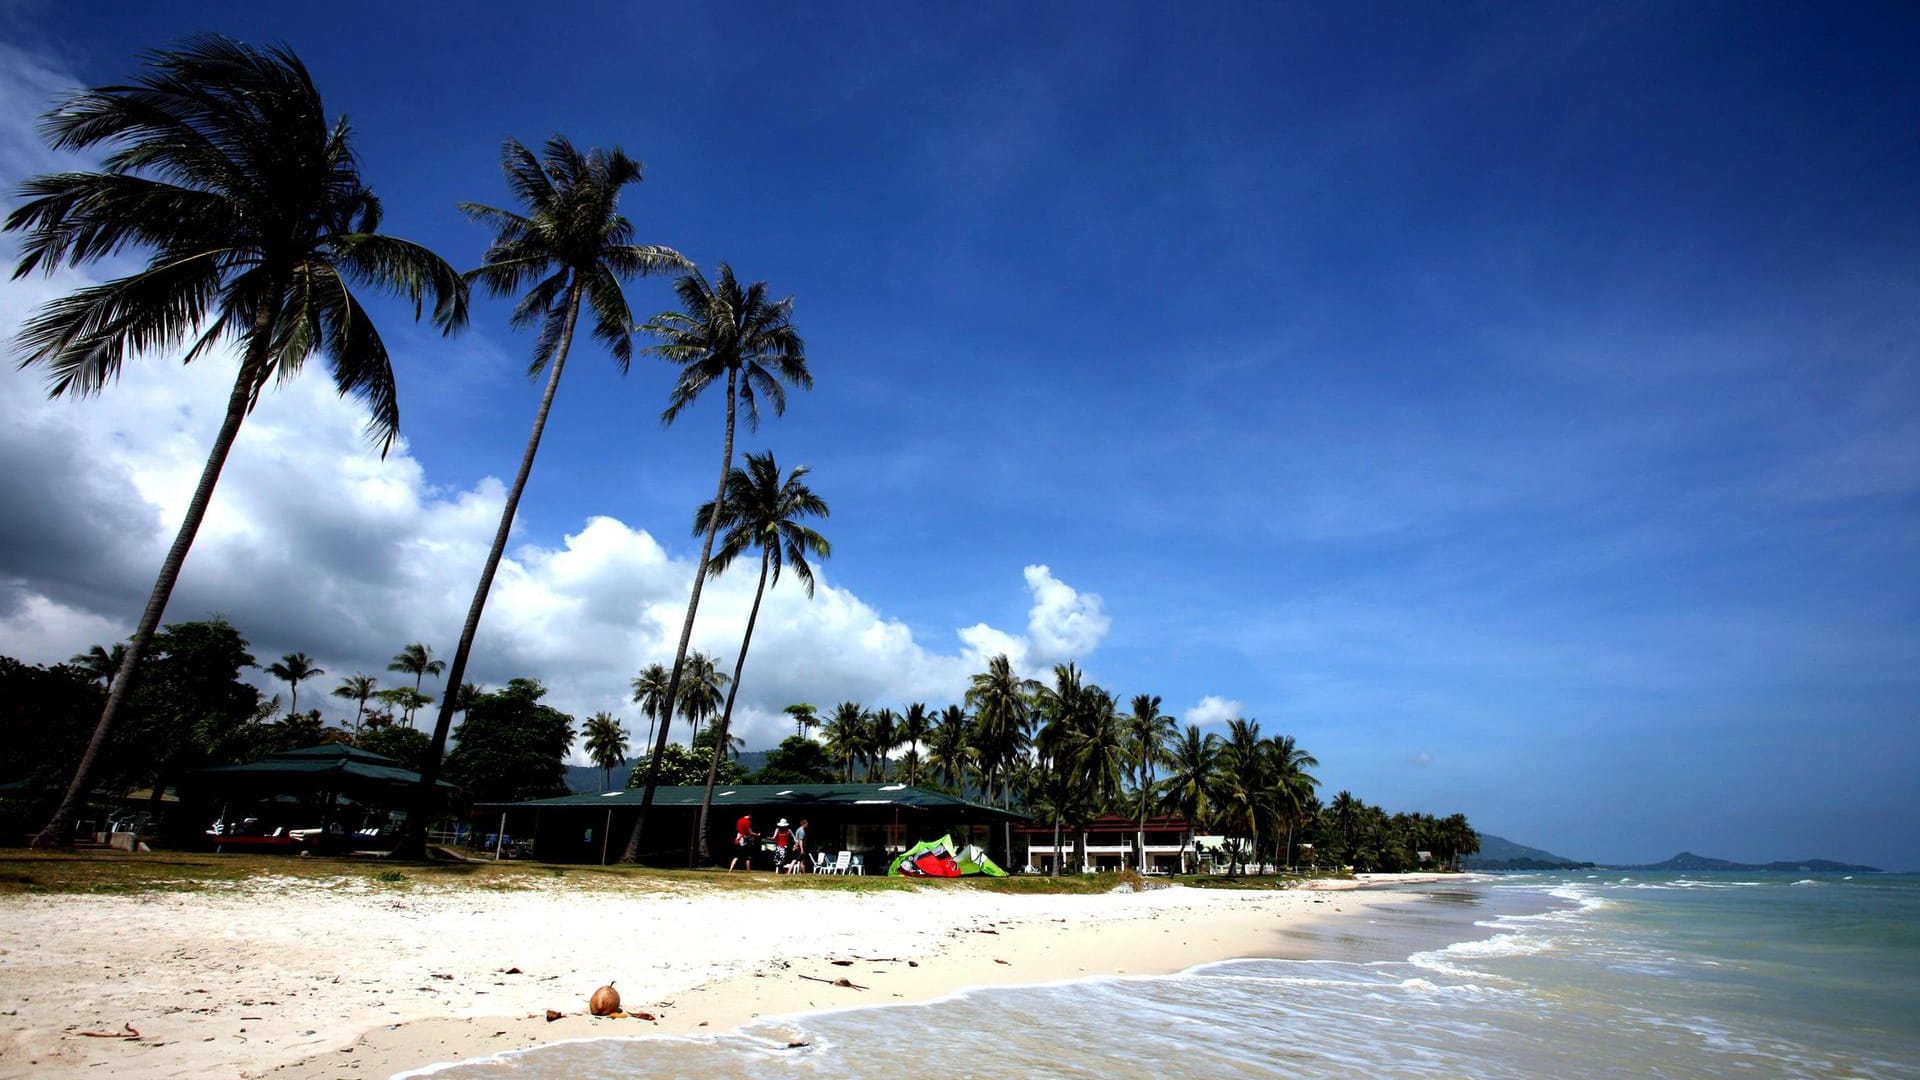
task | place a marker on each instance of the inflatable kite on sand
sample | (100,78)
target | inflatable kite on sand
(939,858)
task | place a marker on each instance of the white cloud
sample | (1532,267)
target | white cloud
(1214,709)
(1063,624)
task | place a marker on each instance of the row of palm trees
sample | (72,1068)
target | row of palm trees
(1066,752)
(222,165)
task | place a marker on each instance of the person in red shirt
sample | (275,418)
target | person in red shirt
(743,840)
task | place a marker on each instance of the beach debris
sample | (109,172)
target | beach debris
(605,1001)
(437,975)
(513,971)
(997,960)
(554,1014)
(848,983)
(797,1044)
(130,1033)
(643,1016)
(842,963)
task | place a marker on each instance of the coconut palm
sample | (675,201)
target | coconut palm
(606,745)
(100,662)
(224,168)
(417,660)
(1346,811)
(650,693)
(761,511)
(949,748)
(916,727)
(704,691)
(570,248)
(1292,784)
(845,731)
(721,332)
(883,736)
(1147,733)
(805,718)
(293,669)
(1243,781)
(357,689)
(1000,705)
(1186,791)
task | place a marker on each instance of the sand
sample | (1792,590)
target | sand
(309,980)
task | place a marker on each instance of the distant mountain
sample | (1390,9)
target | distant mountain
(587,780)
(1499,853)
(1687,861)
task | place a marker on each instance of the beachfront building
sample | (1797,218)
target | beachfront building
(1108,843)
(873,821)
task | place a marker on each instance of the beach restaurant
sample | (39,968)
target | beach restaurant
(873,821)
(1107,843)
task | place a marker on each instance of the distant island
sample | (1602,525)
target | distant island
(1499,853)
(1688,861)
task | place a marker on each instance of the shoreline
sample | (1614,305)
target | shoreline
(306,982)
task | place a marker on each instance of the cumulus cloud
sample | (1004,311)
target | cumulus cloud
(1214,710)
(314,544)
(1063,624)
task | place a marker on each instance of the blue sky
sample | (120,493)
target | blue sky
(1519,405)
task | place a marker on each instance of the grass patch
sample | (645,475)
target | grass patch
(118,873)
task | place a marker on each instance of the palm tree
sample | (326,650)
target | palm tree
(294,668)
(915,728)
(805,718)
(606,745)
(844,732)
(417,660)
(883,736)
(1293,785)
(572,247)
(760,511)
(999,700)
(224,167)
(1243,780)
(1187,789)
(705,691)
(357,689)
(650,693)
(100,662)
(1147,734)
(949,748)
(721,331)
(1346,812)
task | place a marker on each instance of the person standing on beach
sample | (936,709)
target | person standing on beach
(743,838)
(782,846)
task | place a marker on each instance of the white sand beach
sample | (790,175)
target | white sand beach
(357,979)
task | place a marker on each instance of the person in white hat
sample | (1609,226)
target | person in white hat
(782,845)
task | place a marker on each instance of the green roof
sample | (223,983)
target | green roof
(795,796)
(316,766)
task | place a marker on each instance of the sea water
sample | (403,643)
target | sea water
(1602,974)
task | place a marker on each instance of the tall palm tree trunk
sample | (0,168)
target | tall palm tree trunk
(686,633)
(413,841)
(726,715)
(58,832)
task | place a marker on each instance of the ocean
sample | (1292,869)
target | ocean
(1604,974)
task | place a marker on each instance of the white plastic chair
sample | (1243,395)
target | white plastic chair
(824,864)
(857,865)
